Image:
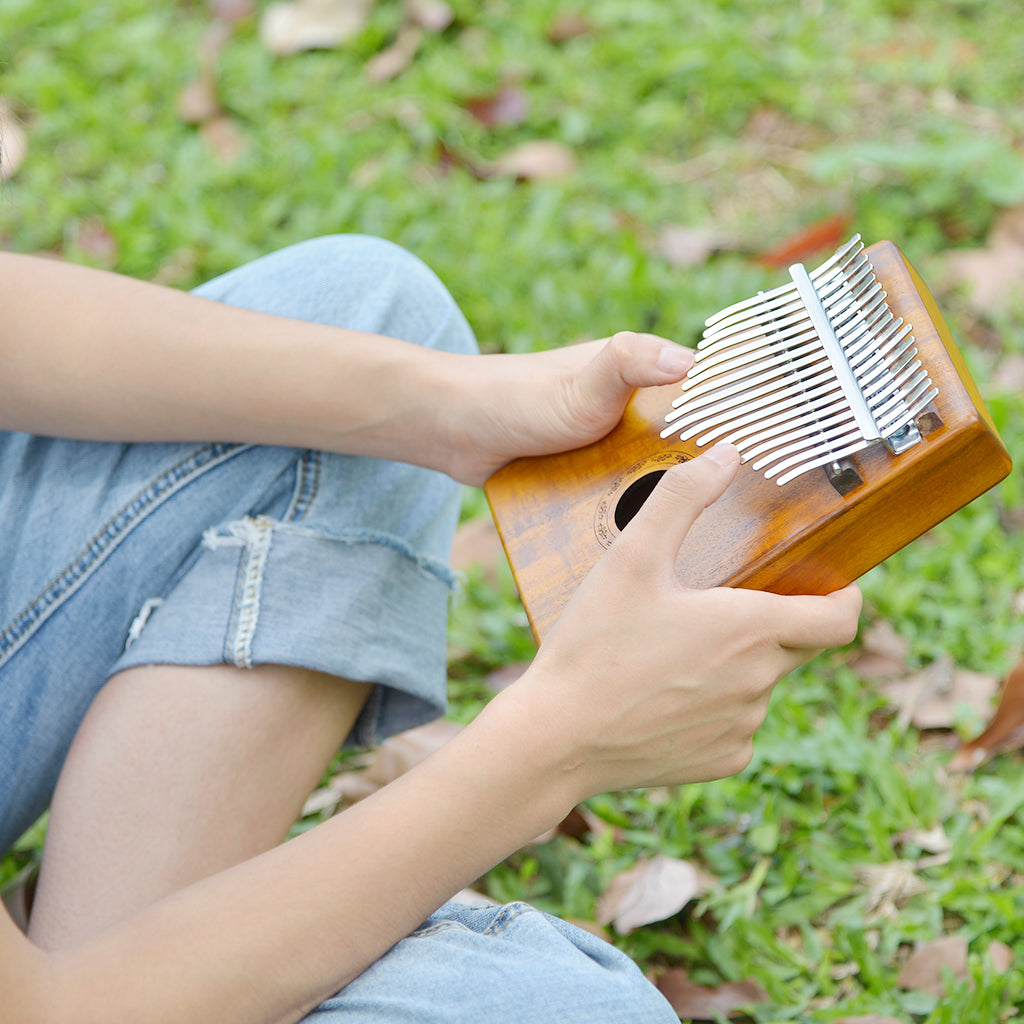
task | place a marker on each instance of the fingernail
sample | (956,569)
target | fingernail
(675,360)
(724,454)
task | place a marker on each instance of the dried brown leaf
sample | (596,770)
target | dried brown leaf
(477,545)
(1004,732)
(870,1018)
(823,235)
(224,137)
(568,26)
(926,966)
(651,890)
(508,106)
(396,58)
(992,274)
(13,141)
(1001,956)
(539,160)
(935,697)
(93,239)
(231,10)
(684,246)
(391,759)
(889,885)
(432,15)
(290,26)
(698,1002)
(198,101)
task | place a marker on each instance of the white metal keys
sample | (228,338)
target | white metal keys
(805,374)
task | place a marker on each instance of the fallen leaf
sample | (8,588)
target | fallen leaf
(396,58)
(1001,956)
(13,141)
(508,106)
(993,273)
(652,890)
(198,101)
(477,545)
(822,236)
(224,137)
(889,885)
(93,238)
(870,1018)
(289,27)
(568,26)
(698,1002)
(432,15)
(935,697)
(540,160)
(1004,732)
(684,246)
(231,10)
(392,758)
(926,966)
(933,840)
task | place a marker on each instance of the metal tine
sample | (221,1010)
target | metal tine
(783,423)
(763,441)
(759,329)
(782,306)
(752,413)
(836,257)
(749,351)
(739,395)
(817,401)
(862,343)
(783,458)
(833,441)
(830,456)
(894,335)
(751,417)
(916,379)
(746,368)
(886,369)
(768,402)
(772,334)
(772,444)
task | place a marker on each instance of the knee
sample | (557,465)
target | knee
(399,294)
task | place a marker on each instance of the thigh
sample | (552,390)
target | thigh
(504,965)
(120,555)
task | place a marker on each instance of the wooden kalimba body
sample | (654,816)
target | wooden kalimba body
(857,437)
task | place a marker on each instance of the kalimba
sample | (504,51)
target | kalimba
(859,426)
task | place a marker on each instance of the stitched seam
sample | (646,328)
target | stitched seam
(106,540)
(246,610)
(307,486)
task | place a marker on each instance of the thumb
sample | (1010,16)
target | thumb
(654,536)
(630,360)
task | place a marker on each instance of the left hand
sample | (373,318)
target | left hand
(553,401)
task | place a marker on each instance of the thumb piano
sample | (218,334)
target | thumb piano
(857,421)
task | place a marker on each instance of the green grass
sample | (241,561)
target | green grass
(752,118)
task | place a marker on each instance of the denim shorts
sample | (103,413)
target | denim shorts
(115,556)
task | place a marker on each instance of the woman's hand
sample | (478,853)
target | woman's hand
(508,406)
(644,682)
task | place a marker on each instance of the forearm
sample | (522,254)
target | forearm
(111,358)
(270,939)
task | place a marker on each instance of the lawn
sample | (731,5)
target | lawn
(168,150)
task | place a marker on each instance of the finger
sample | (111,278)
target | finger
(814,623)
(627,361)
(655,534)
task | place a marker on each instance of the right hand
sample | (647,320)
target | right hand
(645,682)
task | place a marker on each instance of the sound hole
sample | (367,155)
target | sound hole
(634,496)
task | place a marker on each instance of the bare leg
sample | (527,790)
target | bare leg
(178,772)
